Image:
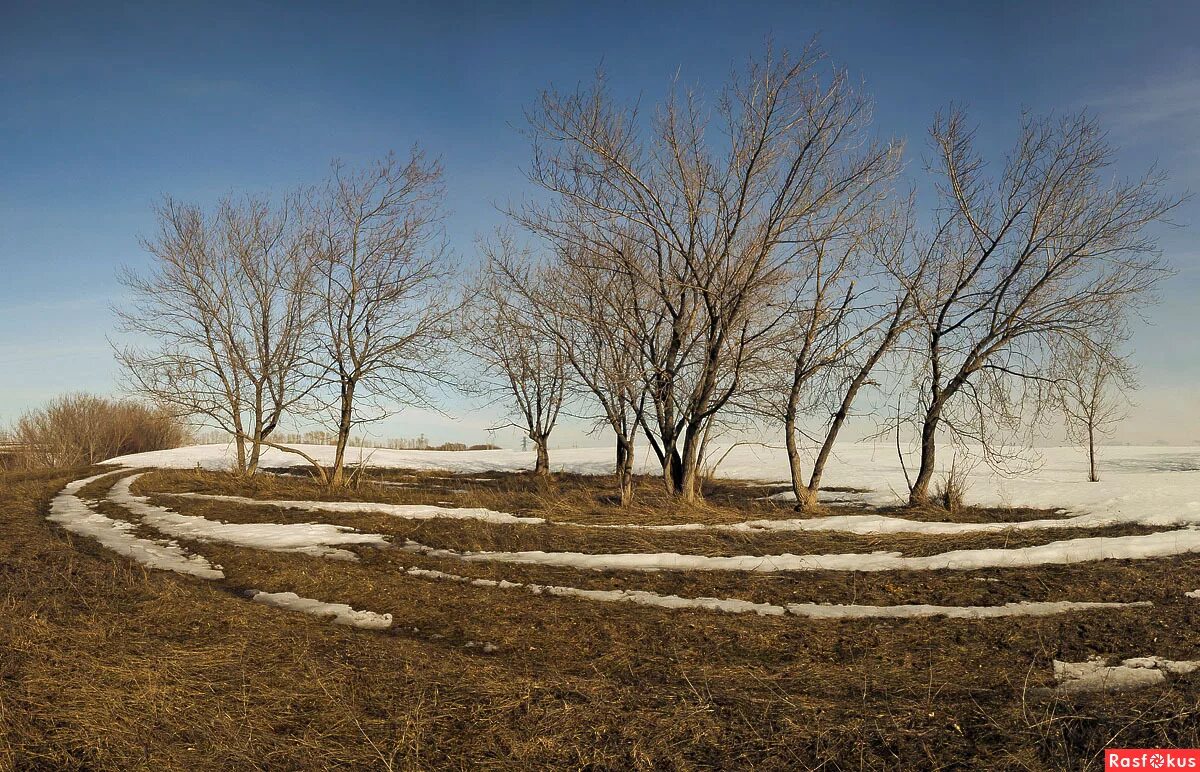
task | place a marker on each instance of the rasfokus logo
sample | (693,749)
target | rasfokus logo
(1152,758)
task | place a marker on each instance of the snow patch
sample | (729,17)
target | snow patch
(307,538)
(487,647)
(1150,486)
(1023,608)
(405,511)
(1157,486)
(1095,675)
(809,610)
(340,613)
(78,517)
(1163,544)
(856,524)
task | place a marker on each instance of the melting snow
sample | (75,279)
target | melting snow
(341,613)
(1094,675)
(487,647)
(406,511)
(78,517)
(877,524)
(1150,485)
(1163,544)
(307,538)
(1023,608)
(810,610)
(857,524)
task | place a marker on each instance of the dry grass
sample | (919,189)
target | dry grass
(106,666)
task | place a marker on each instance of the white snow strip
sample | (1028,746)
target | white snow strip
(870,525)
(1163,544)
(1193,594)
(810,610)
(857,524)
(1023,608)
(78,517)
(315,539)
(405,511)
(1094,675)
(644,598)
(341,613)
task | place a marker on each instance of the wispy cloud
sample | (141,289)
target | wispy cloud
(1165,108)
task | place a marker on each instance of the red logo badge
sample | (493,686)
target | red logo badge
(1152,758)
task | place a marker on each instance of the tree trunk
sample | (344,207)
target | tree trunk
(668,456)
(809,500)
(257,438)
(839,418)
(1092,476)
(673,471)
(806,499)
(255,448)
(793,451)
(239,439)
(688,485)
(345,423)
(625,470)
(255,455)
(920,490)
(542,465)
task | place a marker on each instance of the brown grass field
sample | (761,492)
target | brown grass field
(107,665)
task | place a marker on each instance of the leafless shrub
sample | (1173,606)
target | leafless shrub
(81,429)
(951,493)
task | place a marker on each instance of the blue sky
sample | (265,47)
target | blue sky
(106,107)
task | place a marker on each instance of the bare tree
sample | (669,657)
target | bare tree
(226,312)
(502,332)
(574,303)
(826,379)
(843,317)
(383,292)
(1091,387)
(707,229)
(1048,249)
(604,357)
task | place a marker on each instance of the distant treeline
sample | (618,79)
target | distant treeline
(420,442)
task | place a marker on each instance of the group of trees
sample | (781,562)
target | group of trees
(759,259)
(333,304)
